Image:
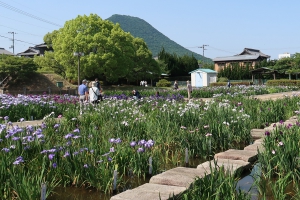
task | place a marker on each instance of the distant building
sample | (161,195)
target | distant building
(248,56)
(38,50)
(5,52)
(203,77)
(285,55)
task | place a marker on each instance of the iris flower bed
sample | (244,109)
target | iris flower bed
(208,92)
(279,163)
(121,134)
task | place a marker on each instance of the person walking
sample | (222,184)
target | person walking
(83,93)
(99,88)
(189,89)
(94,93)
(228,83)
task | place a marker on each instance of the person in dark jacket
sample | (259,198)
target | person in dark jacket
(136,94)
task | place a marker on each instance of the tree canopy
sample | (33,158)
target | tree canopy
(19,68)
(108,51)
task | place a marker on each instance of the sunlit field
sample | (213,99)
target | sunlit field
(119,133)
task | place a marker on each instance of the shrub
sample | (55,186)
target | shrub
(163,83)
(222,79)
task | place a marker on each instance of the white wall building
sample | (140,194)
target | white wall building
(203,77)
(285,55)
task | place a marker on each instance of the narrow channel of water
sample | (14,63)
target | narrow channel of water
(131,182)
(247,180)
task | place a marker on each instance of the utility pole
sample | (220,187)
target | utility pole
(13,46)
(203,47)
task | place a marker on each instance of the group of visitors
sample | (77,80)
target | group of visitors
(143,84)
(94,96)
(90,94)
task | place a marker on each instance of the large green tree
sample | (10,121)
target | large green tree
(108,50)
(18,68)
(48,62)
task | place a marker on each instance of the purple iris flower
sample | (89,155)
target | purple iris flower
(112,149)
(140,150)
(141,142)
(267,133)
(133,144)
(15,138)
(5,150)
(56,126)
(69,135)
(118,140)
(18,160)
(112,140)
(67,154)
(51,156)
(76,130)
(85,166)
(54,165)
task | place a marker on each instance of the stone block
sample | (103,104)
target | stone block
(179,176)
(149,191)
(231,166)
(257,133)
(233,154)
(254,147)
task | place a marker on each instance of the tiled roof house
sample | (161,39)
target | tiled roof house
(248,56)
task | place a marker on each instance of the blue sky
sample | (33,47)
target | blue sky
(227,26)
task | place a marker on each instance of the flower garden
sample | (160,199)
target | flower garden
(72,150)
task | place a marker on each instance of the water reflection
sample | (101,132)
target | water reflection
(73,193)
(247,180)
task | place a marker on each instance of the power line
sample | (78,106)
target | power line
(17,40)
(34,10)
(23,22)
(21,31)
(27,14)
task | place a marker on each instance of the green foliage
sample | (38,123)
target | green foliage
(178,66)
(163,83)
(283,82)
(108,50)
(219,83)
(154,39)
(19,68)
(222,79)
(48,62)
(236,72)
(218,185)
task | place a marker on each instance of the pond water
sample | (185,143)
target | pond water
(74,193)
(247,180)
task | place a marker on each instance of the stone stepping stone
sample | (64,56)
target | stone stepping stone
(255,147)
(233,154)
(231,166)
(179,176)
(259,141)
(257,133)
(149,191)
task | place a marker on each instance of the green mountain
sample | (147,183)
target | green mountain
(153,38)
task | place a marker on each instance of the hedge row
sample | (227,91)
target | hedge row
(283,82)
